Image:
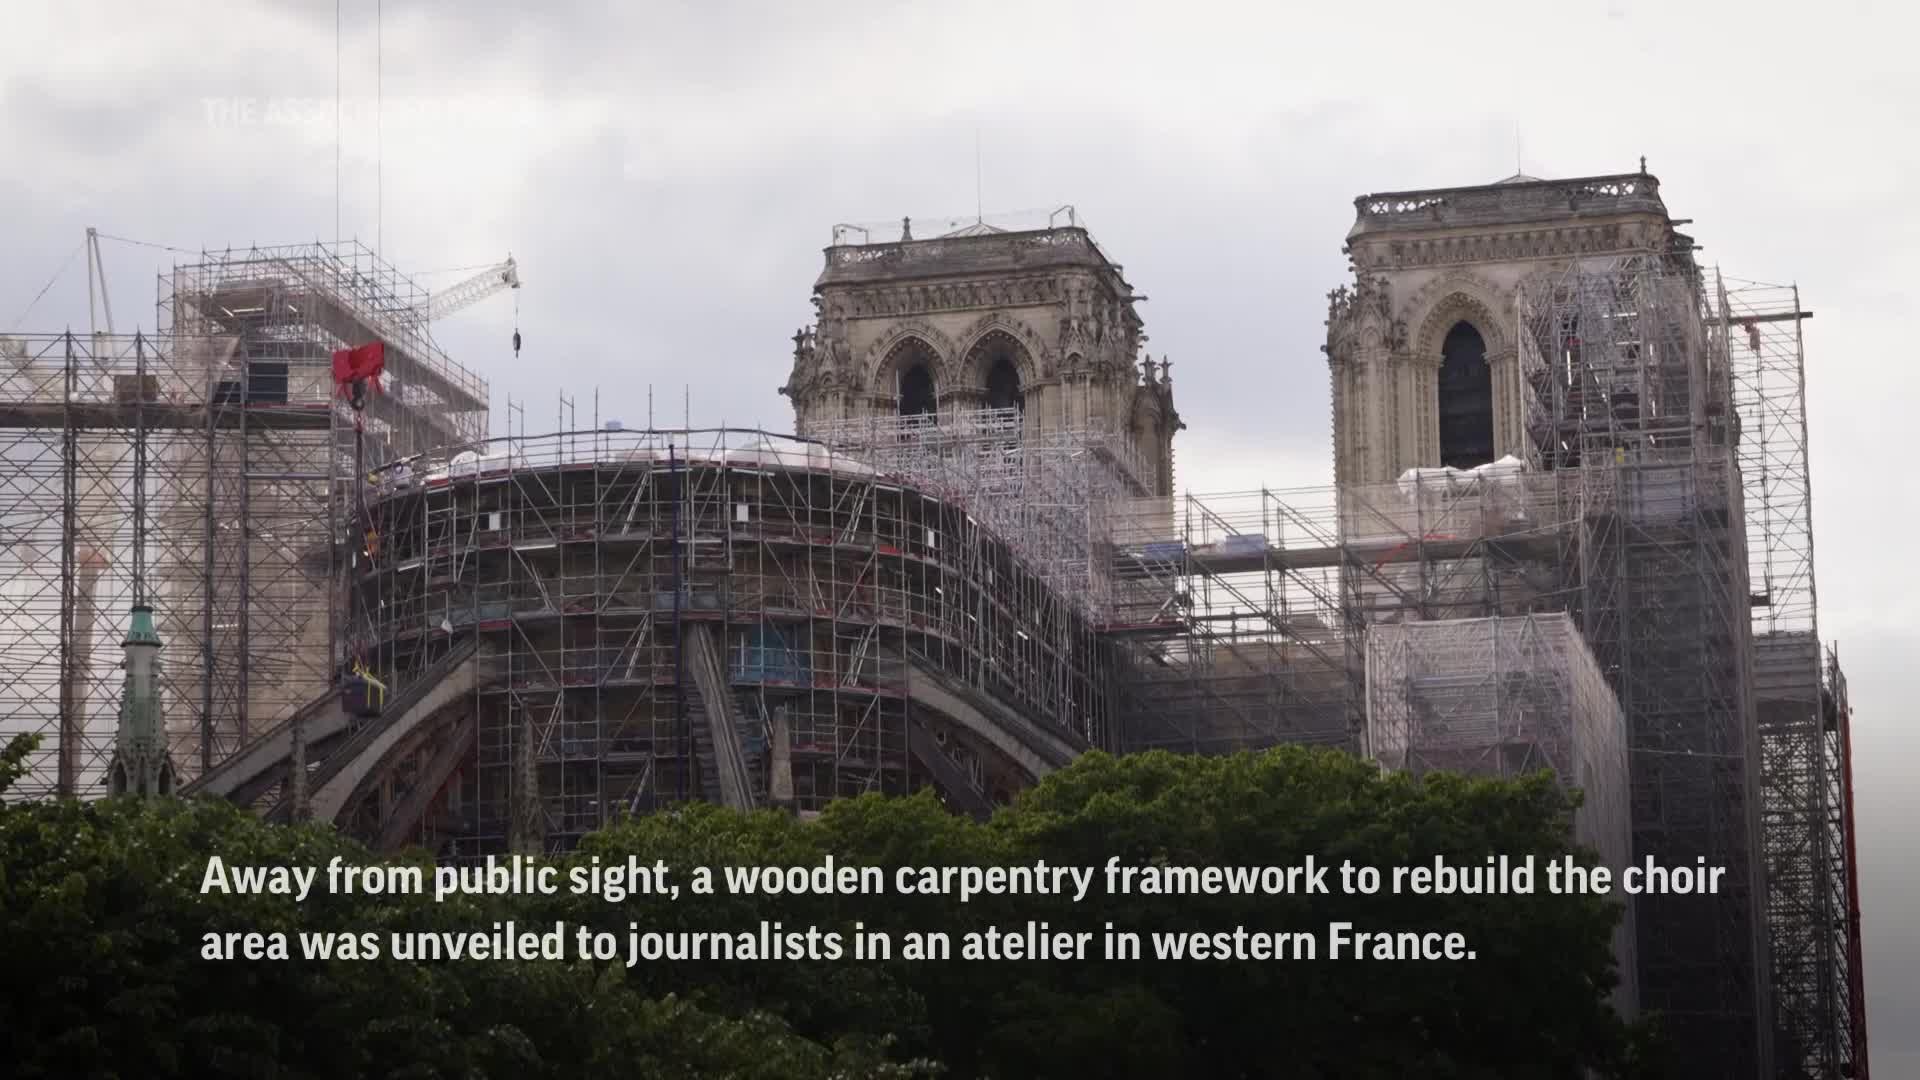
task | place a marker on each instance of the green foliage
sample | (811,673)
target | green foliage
(13,759)
(1533,1003)
(102,944)
(103,922)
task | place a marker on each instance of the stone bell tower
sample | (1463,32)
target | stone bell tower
(1038,320)
(1422,346)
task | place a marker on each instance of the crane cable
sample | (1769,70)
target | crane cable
(65,266)
(366,541)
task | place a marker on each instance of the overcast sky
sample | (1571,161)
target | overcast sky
(668,173)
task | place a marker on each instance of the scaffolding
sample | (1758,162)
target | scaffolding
(292,305)
(1836,699)
(1637,400)
(1242,641)
(1507,696)
(1626,511)
(230,410)
(1044,489)
(720,614)
(1799,696)
(1264,596)
(237,548)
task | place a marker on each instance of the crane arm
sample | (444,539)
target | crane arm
(464,294)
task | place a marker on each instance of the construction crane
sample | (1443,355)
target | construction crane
(464,294)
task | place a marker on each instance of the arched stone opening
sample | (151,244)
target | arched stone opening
(913,363)
(1148,430)
(999,361)
(918,395)
(1466,398)
(1003,386)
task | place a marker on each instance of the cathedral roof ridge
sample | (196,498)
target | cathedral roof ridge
(978,248)
(1515,200)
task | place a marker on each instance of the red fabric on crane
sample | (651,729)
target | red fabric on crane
(360,362)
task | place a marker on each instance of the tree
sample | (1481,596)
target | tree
(103,938)
(104,924)
(1534,1002)
(13,759)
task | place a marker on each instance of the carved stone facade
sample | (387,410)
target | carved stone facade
(985,318)
(1424,262)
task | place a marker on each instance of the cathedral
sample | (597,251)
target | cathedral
(1559,331)
(1423,347)
(1038,321)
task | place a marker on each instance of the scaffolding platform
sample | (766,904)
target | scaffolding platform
(229,415)
(1507,696)
(718,614)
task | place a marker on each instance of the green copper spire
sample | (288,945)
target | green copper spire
(142,632)
(141,765)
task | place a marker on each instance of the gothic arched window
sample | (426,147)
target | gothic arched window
(1003,385)
(918,396)
(1466,399)
(996,360)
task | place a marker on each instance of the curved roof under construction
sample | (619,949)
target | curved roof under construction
(738,448)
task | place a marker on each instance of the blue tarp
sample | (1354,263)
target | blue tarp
(1243,544)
